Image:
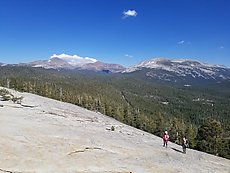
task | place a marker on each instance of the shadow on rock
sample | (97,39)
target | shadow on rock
(176,150)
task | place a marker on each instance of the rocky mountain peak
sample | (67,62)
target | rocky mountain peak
(100,66)
(76,62)
(166,69)
(57,62)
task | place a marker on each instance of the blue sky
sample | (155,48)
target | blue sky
(115,31)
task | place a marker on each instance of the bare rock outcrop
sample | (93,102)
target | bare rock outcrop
(51,136)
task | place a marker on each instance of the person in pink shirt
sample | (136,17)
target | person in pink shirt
(165,139)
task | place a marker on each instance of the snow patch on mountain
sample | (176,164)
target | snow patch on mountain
(2,64)
(159,67)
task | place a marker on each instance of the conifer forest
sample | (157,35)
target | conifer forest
(200,112)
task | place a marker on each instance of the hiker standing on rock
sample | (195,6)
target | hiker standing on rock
(184,145)
(165,139)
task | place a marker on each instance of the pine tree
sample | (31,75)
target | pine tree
(210,137)
(191,136)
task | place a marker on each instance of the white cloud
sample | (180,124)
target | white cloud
(129,13)
(129,56)
(181,42)
(74,59)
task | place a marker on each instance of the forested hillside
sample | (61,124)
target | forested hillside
(201,112)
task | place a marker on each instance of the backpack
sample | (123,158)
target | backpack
(185,143)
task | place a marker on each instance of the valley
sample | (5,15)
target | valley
(149,104)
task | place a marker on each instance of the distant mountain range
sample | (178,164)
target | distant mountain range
(180,70)
(156,68)
(79,64)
